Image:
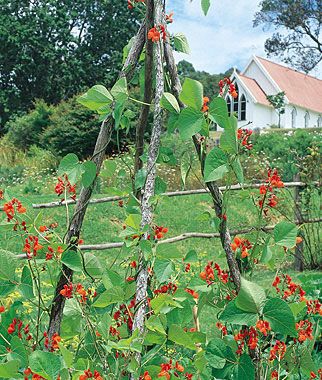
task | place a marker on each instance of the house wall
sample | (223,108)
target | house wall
(255,72)
(300,117)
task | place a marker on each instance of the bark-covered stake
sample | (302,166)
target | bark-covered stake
(76,223)
(147,214)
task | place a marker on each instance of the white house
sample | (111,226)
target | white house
(261,77)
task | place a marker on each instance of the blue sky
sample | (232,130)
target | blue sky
(222,39)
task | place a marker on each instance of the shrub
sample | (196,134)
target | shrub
(284,149)
(24,131)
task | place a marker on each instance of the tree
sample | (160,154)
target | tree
(209,81)
(299,43)
(278,102)
(52,50)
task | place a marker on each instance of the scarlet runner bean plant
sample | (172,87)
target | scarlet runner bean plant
(143,319)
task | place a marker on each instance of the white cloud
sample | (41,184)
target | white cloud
(222,39)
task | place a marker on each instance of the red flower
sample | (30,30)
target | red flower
(67,292)
(263,327)
(154,34)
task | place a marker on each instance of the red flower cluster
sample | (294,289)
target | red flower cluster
(314,307)
(246,335)
(274,375)
(263,326)
(243,135)
(222,327)
(169,288)
(209,275)
(273,181)
(305,330)
(52,345)
(278,351)
(169,18)
(156,32)
(51,252)
(89,375)
(289,287)
(314,376)
(130,3)
(67,292)
(226,82)
(243,245)
(187,267)
(28,372)
(166,367)
(17,324)
(124,315)
(32,246)
(205,107)
(14,205)
(63,185)
(146,376)
(194,294)
(159,232)
(1,194)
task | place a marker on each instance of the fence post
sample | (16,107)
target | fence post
(299,257)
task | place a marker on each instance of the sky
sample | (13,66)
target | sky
(224,38)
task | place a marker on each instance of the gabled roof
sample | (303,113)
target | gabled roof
(255,89)
(301,89)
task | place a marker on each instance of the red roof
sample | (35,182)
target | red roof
(255,89)
(301,89)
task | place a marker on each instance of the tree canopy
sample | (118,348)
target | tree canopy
(52,49)
(297,37)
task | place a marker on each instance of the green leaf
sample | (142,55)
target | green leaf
(280,316)
(218,110)
(72,167)
(192,94)
(169,102)
(18,351)
(119,90)
(238,170)
(163,269)
(9,370)
(110,296)
(233,314)
(244,370)
(89,173)
(154,324)
(96,98)
(205,5)
(180,43)
(26,284)
(93,265)
(164,303)
(45,364)
(160,186)
(109,168)
(73,260)
(185,166)
(217,353)
(134,221)
(140,178)
(267,254)
(215,165)
(228,139)
(8,264)
(168,251)
(178,335)
(67,355)
(251,297)
(190,122)
(111,279)
(285,234)
(297,307)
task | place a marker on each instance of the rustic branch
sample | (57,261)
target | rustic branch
(95,201)
(82,203)
(147,213)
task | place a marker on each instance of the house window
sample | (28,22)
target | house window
(228,105)
(243,108)
(294,113)
(306,119)
(236,101)
(320,121)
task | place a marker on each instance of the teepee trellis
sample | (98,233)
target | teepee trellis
(161,54)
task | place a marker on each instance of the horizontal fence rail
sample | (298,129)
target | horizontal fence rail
(167,194)
(183,236)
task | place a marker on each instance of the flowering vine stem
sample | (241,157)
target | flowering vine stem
(212,186)
(86,193)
